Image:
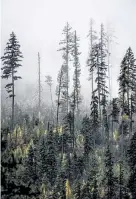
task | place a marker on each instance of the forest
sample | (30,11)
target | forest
(64,152)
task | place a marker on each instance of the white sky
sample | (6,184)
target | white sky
(38,25)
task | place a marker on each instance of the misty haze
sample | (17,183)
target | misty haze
(68,99)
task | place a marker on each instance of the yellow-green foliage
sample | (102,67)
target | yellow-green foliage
(58,130)
(68,190)
(43,190)
(115,135)
(80,140)
(125,117)
(18,152)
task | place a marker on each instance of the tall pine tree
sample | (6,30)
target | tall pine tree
(11,62)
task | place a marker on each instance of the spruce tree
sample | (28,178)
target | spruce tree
(67,135)
(109,175)
(49,82)
(58,93)
(77,190)
(11,62)
(76,95)
(94,118)
(51,161)
(86,191)
(115,113)
(132,165)
(66,44)
(88,140)
(90,61)
(31,169)
(127,83)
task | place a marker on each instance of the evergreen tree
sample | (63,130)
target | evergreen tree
(121,180)
(86,191)
(115,113)
(77,190)
(49,82)
(109,175)
(88,141)
(67,136)
(76,81)
(58,93)
(11,61)
(94,118)
(132,165)
(66,44)
(51,162)
(76,96)
(31,169)
(91,56)
(42,148)
(127,81)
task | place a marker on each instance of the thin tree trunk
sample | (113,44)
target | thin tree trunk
(67,57)
(58,102)
(131,120)
(13,98)
(52,110)
(120,181)
(39,84)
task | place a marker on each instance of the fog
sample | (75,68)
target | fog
(38,25)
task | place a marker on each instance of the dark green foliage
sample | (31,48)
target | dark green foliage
(11,61)
(31,167)
(127,81)
(77,190)
(132,165)
(115,110)
(94,118)
(51,162)
(88,140)
(67,160)
(68,135)
(60,185)
(86,191)
(78,167)
(109,175)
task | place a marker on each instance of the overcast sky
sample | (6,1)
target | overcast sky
(38,25)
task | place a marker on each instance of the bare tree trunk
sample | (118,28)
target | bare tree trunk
(39,85)
(52,110)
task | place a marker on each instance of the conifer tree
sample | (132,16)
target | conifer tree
(115,113)
(51,162)
(75,96)
(132,165)
(94,117)
(109,175)
(49,82)
(92,177)
(31,166)
(67,135)
(58,93)
(93,39)
(88,141)
(66,44)
(77,190)
(11,62)
(121,180)
(42,148)
(76,81)
(86,191)
(127,81)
